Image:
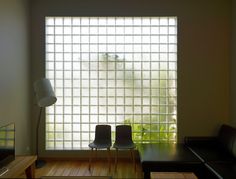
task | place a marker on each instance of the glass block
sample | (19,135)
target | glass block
(163,21)
(67,30)
(49,21)
(58,30)
(117,69)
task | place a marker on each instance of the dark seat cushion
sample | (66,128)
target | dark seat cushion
(207,149)
(217,153)
(218,148)
(209,153)
(201,141)
(222,169)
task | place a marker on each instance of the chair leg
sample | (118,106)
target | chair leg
(133,158)
(109,158)
(90,159)
(96,150)
(116,159)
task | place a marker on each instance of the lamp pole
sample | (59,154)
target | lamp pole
(39,163)
(45,97)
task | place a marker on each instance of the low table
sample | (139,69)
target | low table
(76,177)
(161,157)
(19,165)
(166,175)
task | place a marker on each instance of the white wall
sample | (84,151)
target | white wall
(14,70)
(203,51)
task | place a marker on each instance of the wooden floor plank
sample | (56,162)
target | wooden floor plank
(125,169)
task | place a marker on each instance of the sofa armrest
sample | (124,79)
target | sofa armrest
(199,141)
(227,139)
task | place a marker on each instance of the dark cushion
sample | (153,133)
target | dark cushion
(210,153)
(222,169)
(207,149)
(201,141)
(219,148)
(227,139)
(218,153)
(234,149)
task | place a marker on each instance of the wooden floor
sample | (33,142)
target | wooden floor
(125,169)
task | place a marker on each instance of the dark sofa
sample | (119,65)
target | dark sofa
(218,153)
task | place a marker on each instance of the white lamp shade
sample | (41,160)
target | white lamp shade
(44,93)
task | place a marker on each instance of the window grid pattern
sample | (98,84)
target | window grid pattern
(7,137)
(111,70)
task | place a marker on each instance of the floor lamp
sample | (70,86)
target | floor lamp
(45,97)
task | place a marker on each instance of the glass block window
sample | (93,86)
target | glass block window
(111,70)
(7,140)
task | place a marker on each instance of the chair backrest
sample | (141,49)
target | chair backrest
(103,134)
(124,134)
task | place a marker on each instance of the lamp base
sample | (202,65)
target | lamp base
(40,163)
